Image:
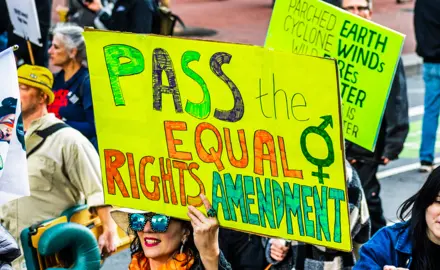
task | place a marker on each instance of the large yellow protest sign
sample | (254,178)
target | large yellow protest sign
(367,56)
(258,132)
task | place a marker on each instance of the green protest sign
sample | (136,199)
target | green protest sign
(367,55)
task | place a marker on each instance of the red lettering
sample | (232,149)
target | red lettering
(170,126)
(263,138)
(212,156)
(132,172)
(286,171)
(244,161)
(195,200)
(182,167)
(114,160)
(155,195)
(167,176)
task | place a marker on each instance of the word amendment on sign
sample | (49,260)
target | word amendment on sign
(367,56)
(257,131)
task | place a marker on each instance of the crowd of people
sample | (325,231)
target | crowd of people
(57,110)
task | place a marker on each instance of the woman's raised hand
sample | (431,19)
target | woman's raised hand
(205,233)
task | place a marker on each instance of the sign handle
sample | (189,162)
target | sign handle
(30,51)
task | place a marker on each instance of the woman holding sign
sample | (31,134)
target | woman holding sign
(283,255)
(163,242)
(414,243)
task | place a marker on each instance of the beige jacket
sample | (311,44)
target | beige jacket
(63,172)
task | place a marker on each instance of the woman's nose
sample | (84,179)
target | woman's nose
(147,228)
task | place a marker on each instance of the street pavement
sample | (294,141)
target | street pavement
(246,21)
(400,179)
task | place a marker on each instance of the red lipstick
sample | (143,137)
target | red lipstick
(151,242)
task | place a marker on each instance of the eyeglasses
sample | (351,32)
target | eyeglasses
(159,223)
(358,8)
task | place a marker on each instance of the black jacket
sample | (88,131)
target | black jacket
(427,27)
(394,128)
(4,16)
(9,249)
(133,16)
(242,250)
(223,264)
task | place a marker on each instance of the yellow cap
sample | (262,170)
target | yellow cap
(38,77)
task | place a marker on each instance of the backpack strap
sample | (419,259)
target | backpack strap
(46,133)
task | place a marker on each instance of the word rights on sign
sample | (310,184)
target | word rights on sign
(367,56)
(260,136)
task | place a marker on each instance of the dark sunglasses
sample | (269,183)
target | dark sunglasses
(159,223)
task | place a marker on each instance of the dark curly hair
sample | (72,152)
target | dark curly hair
(189,248)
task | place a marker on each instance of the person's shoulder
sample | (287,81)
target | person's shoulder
(66,135)
(397,228)
(58,78)
(385,247)
(71,136)
(392,235)
(83,74)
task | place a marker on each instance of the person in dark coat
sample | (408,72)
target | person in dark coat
(4,24)
(9,249)
(392,135)
(427,30)
(135,16)
(242,250)
(287,255)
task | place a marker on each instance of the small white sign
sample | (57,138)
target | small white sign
(24,18)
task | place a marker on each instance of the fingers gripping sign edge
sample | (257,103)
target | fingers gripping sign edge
(210,211)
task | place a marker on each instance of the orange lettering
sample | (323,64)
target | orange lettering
(262,138)
(172,142)
(286,171)
(167,176)
(155,195)
(132,172)
(112,172)
(195,200)
(244,161)
(213,156)
(182,167)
